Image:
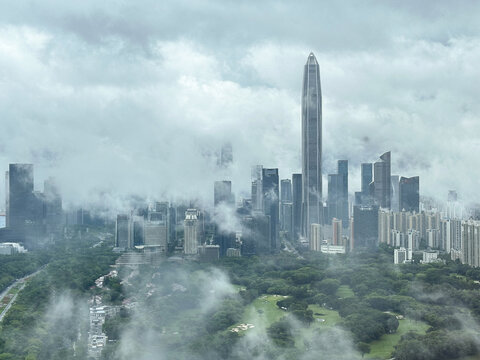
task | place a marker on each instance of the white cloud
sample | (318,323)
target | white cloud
(116,100)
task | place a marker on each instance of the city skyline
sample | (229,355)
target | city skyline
(104,126)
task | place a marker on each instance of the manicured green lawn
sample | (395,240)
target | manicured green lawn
(383,347)
(344,291)
(320,313)
(265,309)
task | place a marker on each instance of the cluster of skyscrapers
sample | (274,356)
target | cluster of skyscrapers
(278,212)
(32,217)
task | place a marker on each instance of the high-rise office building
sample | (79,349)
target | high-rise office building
(122,232)
(343,172)
(257,189)
(335,183)
(337,232)
(470,247)
(365,226)
(286,190)
(52,206)
(20,198)
(156,229)
(312,207)
(366,173)
(286,206)
(316,237)
(191,232)
(395,195)
(409,193)
(271,202)
(365,197)
(226,155)
(137,231)
(337,202)
(223,193)
(297,204)
(256,234)
(382,181)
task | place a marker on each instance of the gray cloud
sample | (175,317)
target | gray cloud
(116,99)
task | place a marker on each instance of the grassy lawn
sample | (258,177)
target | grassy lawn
(265,307)
(320,313)
(344,291)
(383,347)
(263,311)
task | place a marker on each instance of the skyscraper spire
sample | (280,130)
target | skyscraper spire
(312,205)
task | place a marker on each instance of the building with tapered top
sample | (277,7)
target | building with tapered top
(312,205)
(382,181)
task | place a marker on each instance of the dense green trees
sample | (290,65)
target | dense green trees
(52,309)
(171,297)
(281,333)
(436,345)
(16,266)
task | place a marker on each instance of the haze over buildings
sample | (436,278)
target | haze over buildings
(109,79)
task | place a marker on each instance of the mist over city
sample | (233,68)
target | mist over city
(239,180)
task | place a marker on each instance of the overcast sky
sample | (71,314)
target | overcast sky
(117,98)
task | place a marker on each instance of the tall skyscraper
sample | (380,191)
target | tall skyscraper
(271,202)
(286,206)
(366,178)
(365,226)
(312,207)
(338,193)
(122,232)
(257,194)
(395,195)
(297,204)
(226,155)
(382,181)
(156,231)
(286,190)
(222,193)
(256,234)
(53,206)
(335,183)
(191,232)
(343,172)
(20,199)
(409,196)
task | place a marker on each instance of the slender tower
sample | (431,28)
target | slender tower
(312,205)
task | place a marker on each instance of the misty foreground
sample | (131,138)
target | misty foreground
(275,307)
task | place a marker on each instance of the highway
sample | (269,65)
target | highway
(12,300)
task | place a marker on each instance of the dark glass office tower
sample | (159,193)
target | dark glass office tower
(312,206)
(382,181)
(53,206)
(337,202)
(271,203)
(297,204)
(365,226)
(366,181)
(343,172)
(222,193)
(409,193)
(286,207)
(334,196)
(20,195)
(286,190)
